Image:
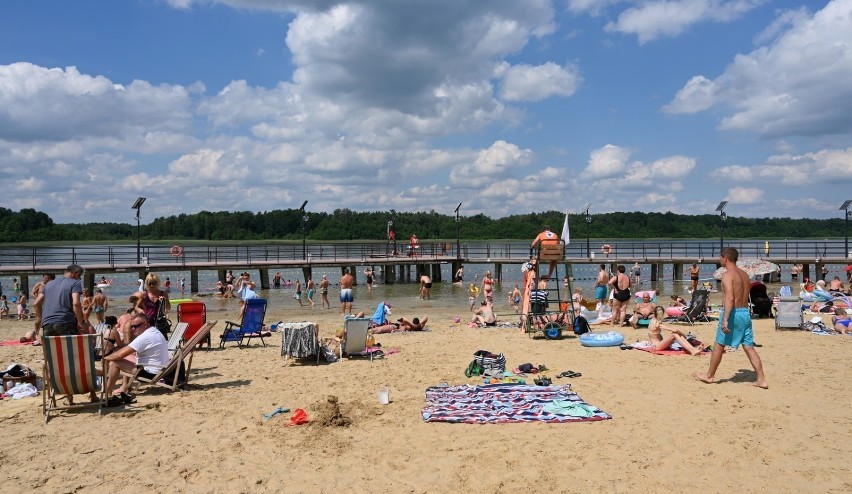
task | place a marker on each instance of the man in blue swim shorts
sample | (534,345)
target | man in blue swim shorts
(600,285)
(346,299)
(734,320)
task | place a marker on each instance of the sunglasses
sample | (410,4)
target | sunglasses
(134,327)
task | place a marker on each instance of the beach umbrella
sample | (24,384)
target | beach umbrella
(754,267)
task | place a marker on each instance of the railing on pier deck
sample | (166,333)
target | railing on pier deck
(199,255)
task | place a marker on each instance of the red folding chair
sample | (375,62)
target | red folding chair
(195,315)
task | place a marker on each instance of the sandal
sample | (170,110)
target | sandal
(114,401)
(569,373)
(126,398)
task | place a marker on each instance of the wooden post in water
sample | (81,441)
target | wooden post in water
(306,273)
(654,271)
(264,278)
(498,272)
(193,280)
(677,271)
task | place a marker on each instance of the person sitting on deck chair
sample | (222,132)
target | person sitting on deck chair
(152,351)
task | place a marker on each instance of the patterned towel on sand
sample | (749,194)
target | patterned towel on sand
(504,403)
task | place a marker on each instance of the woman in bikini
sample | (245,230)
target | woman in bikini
(841,321)
(488,288)
(658,342)
(87,303)
(152,300)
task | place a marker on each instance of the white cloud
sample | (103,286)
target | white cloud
(490,165)
(744,195)
(650,20)
(797,85)
(40,104)
(607,161)
(535,83)
(827,165)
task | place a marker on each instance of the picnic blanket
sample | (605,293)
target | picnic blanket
(505,403)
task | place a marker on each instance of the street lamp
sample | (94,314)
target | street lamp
(137,206)
(588,230)
(304,230)
(458,232)
(722,218)
(845,207)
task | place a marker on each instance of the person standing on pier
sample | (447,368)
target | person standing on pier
(734,320)
(346,298)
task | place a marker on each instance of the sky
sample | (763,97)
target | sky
(506,106)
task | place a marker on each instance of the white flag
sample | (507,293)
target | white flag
(566,232)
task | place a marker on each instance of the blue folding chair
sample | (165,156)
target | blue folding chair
(250,327)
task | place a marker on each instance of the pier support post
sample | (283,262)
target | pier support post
(389,274)
(498,272)
(193,281)
(306,273)
(436,273)
(654,271)
(264,278)
(806,271)
(456,265)
(25,285)
(677,272)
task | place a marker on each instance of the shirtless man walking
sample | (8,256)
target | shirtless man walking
(600,286)
(346,299)
(734,320)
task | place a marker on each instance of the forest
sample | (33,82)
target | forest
(29,225)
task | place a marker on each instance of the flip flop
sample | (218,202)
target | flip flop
(570,373)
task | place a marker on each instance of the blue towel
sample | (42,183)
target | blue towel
(379,315)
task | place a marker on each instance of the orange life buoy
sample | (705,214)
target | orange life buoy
(176,250)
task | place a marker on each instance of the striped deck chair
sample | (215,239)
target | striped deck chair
(70,369)
(180,363)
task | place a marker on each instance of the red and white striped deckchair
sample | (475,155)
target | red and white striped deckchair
(70,365)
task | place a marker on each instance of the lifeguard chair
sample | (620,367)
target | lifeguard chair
(546,312)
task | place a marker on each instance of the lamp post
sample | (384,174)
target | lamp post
(588,230)
(138,206)
(845,207)
(458,232)
(722,218)
(304,230)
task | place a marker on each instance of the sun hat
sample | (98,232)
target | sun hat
(816,319)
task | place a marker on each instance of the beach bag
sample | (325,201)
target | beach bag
(490,361)
(163,324)
(473,369)
(581,325)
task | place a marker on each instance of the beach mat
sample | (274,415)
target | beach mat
(507,403)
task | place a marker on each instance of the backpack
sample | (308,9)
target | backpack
(581,325)
(473,369)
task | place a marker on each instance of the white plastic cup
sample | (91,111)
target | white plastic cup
(384,396)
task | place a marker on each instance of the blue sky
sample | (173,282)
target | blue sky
(505,106)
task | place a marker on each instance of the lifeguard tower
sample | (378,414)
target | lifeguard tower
(544,309)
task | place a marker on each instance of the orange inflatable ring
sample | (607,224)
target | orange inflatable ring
(176,250)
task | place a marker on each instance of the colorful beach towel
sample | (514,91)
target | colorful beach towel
(15,343)
(506,403)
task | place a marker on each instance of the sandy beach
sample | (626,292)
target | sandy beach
(668,432)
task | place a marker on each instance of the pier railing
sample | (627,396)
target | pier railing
(507,251)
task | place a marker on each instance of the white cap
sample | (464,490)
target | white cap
(816,319)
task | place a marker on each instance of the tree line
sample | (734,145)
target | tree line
(29,225)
